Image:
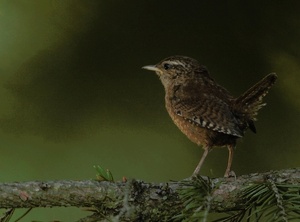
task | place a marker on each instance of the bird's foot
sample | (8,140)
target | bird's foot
(230,173)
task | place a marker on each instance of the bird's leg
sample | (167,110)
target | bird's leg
(230,157)
(206,151)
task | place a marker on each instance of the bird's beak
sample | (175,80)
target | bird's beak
(151,68)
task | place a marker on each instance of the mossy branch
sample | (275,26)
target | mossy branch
(140,201)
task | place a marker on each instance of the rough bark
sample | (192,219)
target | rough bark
(134,200)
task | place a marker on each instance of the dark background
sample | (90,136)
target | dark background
(73,93)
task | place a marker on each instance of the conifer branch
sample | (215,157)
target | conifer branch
(133,200)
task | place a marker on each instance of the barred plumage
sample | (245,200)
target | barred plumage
(203,110)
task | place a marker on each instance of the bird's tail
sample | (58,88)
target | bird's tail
(250,102)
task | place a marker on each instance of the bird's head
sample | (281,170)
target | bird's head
(176,68)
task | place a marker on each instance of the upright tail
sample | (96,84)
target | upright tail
(250,102)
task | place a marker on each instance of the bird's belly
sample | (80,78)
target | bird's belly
(194,132)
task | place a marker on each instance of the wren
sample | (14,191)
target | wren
(205,111)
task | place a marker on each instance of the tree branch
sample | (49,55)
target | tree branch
(136,199)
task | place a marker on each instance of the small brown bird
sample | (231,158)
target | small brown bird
(205,111)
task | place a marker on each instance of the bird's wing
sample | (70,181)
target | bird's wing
(208,111)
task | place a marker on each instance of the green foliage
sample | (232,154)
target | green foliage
(103,175)
(268,200)
(6,216)
(196,196)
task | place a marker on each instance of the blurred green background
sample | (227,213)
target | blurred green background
(73,93)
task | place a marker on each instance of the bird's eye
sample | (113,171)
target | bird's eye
(167,66)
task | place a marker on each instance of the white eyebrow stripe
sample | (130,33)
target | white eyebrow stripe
(175,63)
